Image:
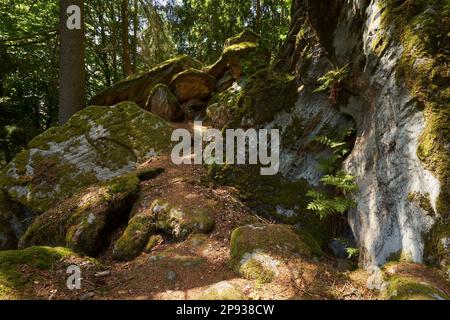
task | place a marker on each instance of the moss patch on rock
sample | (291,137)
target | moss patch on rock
(180,222)
(140,234)
(81,221)
(220,291)
(408,281)
(257,250)
(96,144)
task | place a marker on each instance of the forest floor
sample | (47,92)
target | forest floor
(186,270)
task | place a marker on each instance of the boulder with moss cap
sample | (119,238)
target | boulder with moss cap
(410,281)
(138,87)
(82,221)
(181,222)
(97,144)
(257,250)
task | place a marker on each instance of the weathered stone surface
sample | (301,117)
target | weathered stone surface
(192,84)
(236,50)
(97,144)
(137,87)
(257,250)
(82,221)
(163,103)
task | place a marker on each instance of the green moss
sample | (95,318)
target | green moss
(181,222)
(238,48)
(254,270)
(404,288)
(246,35)
(129,135)
(134,238)
(78,222)
(423,28)
(153,242)
(270,239)
(12,280)
(422,200)
(222,291)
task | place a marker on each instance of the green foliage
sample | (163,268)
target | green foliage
(200,27)
(337,183)
(352,252)
(333,78)
(324,205)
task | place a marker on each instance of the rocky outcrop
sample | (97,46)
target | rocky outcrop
(138,87)
(394,120)
(97,144)
(399,114)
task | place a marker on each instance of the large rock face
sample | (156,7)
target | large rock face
(398,96)
(394,97)
(97,144)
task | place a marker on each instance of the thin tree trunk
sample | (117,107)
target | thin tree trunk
(72,73)
(258,15)
(127,67)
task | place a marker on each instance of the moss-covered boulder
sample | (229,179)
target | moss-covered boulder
(258,250)
(138,87)
(219,292)
(180,222)
(192,84)
(239,53)
(13,281)
(83,221)
(97,144)
(408,281)
(245,36)
(163,103)
(147,219)
(136,235)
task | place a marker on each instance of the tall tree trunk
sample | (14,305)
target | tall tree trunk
(72,73)
(127,67)
(135,33)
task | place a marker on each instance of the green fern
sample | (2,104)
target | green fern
(342,181)
(332,78)
(325,206)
